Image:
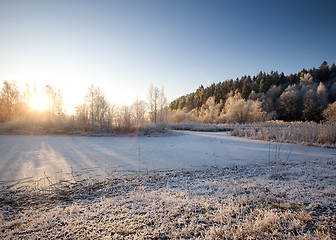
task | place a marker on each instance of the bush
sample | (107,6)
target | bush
(306,133)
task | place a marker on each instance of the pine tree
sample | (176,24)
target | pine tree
(246,90)
(323,72)
(310,109)
(262,86)
(322,96)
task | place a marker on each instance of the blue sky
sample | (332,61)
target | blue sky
(123,46)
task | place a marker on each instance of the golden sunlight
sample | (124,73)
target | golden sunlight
(39,103)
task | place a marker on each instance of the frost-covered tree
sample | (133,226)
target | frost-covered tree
(139,112)
(271,102)
(306,78)
(9,100)
(210,111)
(291,103)
(306,83)
(55,101)
(95,110)
(184,116)
(322,96)
(82,113)
(330,112)
(239,110)
(310,109)
(27,94)
(153,102)
(126,117)
(163,107)
(89,103)
(110,115)
(157,102)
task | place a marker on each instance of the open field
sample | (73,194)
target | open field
(186,185)
(59,157)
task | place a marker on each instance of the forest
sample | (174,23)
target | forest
(309,95)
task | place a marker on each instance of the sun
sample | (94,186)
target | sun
(38,102)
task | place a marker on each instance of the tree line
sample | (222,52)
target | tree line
(309,95)
(17,106)
(94,114)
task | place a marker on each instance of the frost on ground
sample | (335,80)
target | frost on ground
(303,133)
(233,202)
(35,157)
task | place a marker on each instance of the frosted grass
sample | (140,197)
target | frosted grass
(206,203)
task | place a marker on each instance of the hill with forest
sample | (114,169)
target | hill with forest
(308,95)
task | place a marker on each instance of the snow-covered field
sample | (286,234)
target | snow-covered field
(58,157)
(187,185)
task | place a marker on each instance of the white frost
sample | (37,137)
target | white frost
(57,156)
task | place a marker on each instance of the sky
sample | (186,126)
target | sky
(124,46)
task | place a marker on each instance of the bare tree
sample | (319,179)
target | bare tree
(153,101)
(89,101)
(110,116)
(9,100)
(82,116)
(97,106)
(139,111)
(27,94)
(126,117)
(55,101)
(96,111)
(163,107)
(100,106)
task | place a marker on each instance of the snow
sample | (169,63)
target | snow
(58,157)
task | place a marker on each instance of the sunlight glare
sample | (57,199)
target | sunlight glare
(38,102)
